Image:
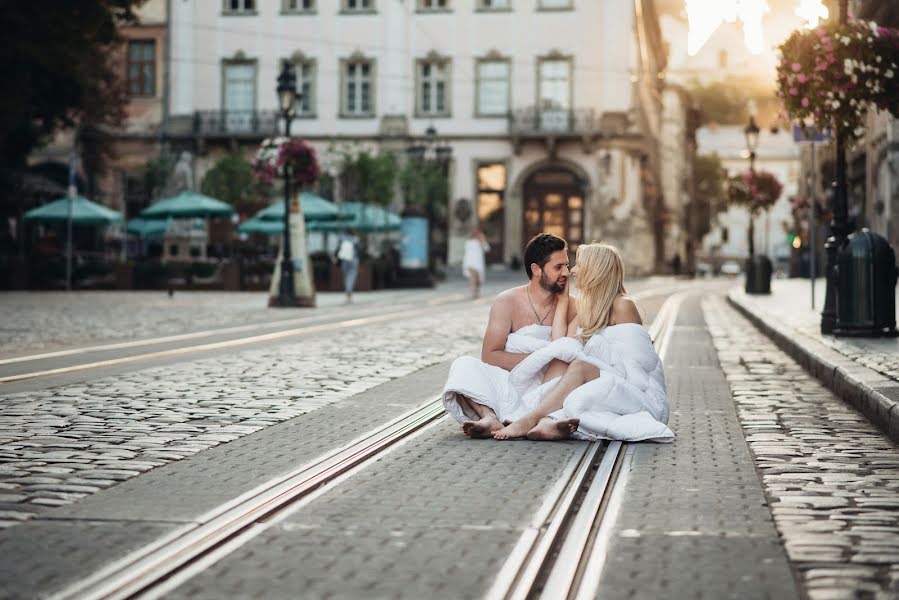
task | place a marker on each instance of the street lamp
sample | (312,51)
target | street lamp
(758,268)
(287,99)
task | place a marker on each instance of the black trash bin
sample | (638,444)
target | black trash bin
(758,274)
(865,286)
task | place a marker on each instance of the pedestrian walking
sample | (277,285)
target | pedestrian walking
(473,260)
(348,253)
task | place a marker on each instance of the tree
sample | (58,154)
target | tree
(424,184)
(369,178)
(710,177)
(727,102)
(231,180)
(61,58)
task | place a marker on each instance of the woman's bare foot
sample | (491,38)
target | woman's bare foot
(551,429)
(517,429)
(482,428)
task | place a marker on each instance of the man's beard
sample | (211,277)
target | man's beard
(553,287)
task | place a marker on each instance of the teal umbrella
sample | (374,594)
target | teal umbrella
(147,228)
(188,204)
(84,212)
(315,208)
(257,225)
(361,217)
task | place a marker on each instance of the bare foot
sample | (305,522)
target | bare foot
(518,429)
(551,429)
(482,428)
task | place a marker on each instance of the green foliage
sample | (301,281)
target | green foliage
(425,184)
(155,176)
(369,178)
(710,177)
(231,180)
(727,102)
(61,60)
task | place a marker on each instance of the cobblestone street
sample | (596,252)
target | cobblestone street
(774,487)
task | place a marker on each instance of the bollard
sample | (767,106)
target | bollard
(758,274)
(866,287)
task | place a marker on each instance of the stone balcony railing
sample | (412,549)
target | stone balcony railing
(230,123)
(552,124)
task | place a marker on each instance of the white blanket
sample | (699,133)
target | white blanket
(628,401)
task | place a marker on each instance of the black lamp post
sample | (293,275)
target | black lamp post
(839,224)
(758,268)
(751,132)
(287,99)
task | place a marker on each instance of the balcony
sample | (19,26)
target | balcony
(251,124)
(552,124)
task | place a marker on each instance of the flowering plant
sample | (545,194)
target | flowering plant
(830,75)
(757,190)
(274,154)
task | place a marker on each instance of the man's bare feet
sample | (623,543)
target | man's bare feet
(518,429)
(482,428)
(551,429)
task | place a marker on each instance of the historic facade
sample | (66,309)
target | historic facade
(559,133)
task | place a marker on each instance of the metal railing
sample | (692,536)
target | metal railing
(552,121)
(235,122)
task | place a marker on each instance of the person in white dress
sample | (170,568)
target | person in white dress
(473,260)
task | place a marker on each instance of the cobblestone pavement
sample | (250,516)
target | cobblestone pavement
(790,303)
(36,321)
(61,444)
(831,478)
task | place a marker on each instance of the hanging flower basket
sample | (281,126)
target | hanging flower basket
(756,191)
(297,156)
(829,76)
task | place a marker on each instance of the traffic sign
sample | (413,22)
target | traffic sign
(810,134)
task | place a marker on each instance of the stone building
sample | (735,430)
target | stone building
(552,109)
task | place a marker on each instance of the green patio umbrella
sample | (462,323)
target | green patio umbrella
(315,208)
(257,225)
(84,212)
(361,217)
(147,228)
(188,204)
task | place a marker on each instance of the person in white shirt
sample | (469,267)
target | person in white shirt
(473,260)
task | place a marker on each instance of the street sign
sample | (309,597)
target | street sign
(810,134)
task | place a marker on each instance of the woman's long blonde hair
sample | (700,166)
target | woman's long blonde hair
(600,279)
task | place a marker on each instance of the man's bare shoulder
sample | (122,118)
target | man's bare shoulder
(509,298)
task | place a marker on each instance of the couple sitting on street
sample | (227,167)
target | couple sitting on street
(556,365)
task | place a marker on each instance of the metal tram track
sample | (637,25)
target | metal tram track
(551,555)
(561,553)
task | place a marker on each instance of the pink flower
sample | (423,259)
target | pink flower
(797,67)
(794,91)
(831,58)
(802,78)
(804,102)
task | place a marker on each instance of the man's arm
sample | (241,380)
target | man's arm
(499,325)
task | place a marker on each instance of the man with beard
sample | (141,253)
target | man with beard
(519,323)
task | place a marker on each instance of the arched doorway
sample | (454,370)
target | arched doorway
(554,203)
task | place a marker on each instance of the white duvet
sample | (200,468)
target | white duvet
(628,401)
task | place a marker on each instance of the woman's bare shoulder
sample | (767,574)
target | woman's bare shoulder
(624,310)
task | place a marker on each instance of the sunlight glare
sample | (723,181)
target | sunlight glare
(812,11)
(705,16)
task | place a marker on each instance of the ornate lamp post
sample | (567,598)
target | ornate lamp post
(751,132)
(287,99)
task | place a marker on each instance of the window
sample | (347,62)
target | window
(554,94)
(556,4)
(494,5)
(491,210)
(141,68)
(358,95)
(239,95)
(358,5)
(236,7)
(305,72)
(433,87)
(493,88)
(426,5)
(297,6)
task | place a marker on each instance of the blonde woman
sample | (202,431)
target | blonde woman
(601,377)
